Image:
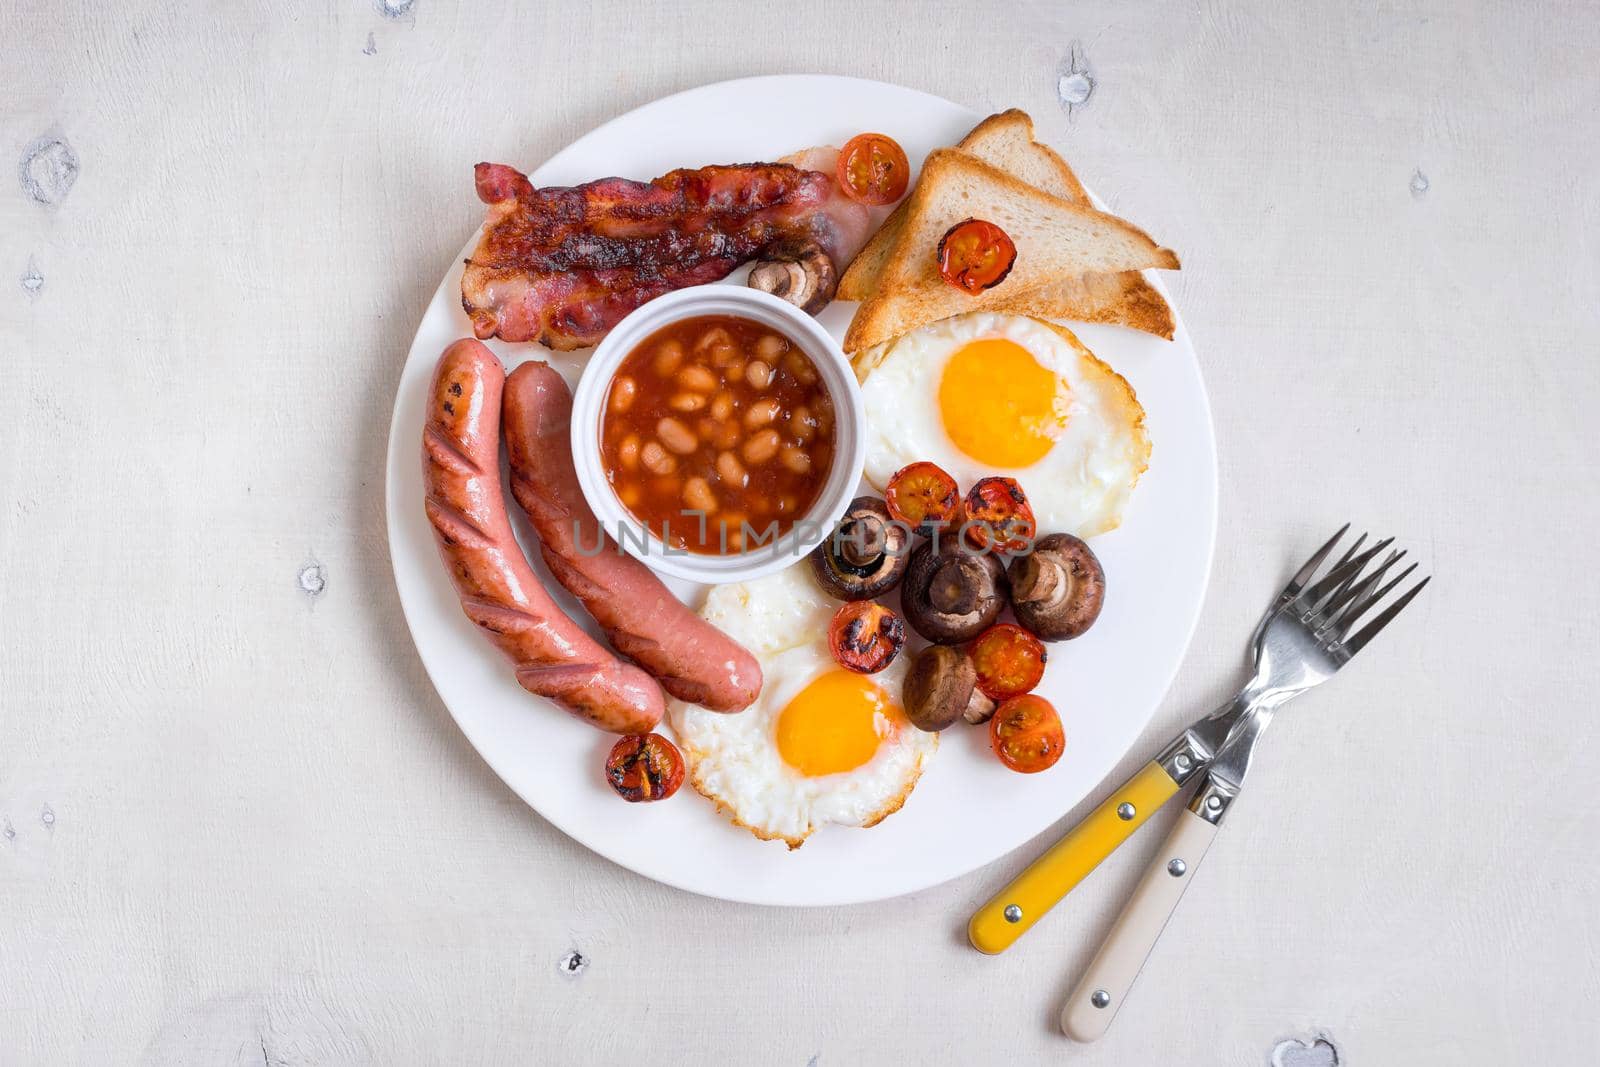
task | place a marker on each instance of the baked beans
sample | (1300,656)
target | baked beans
(721,417)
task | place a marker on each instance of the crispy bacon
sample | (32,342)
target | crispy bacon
(562,265)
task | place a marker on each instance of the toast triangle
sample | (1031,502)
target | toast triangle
(1006,141)
(1056,239)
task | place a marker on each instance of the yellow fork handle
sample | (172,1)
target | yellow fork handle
(1053,875)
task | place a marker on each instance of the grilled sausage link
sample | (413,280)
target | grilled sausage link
(553,656)
(691,658)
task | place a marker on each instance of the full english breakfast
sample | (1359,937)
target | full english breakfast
(996,442)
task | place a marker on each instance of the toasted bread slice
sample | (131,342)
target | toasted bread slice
(1006,141)
(1120,299)
(1056,239)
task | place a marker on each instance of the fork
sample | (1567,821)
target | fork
(1306,638)
(1012,912)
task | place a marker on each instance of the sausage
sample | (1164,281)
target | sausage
(553,656)
(691,658)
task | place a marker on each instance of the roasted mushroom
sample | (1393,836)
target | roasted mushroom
(941,687)
(866,555)
(1058,588)
(952,594)
(802,274)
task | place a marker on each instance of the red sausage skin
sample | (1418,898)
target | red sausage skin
(692,659)
(553,656)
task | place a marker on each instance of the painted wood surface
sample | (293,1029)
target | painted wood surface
(236,824)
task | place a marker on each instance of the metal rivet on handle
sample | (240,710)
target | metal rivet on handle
(1125,811)
(1182,762)
(1177,868)
(1214,803)
(1100,998)
(1013,913)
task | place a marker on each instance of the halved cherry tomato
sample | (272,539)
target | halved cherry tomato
(924,497)
(873,169)
(1009,660)
(866,637)
(644,767)
(975,255)
(1026,734)
(999,516)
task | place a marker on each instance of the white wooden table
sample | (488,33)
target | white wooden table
(236,824)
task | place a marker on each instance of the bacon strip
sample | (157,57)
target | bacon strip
(562,265)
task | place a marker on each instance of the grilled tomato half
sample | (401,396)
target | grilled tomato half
(1009,661)
(1026,734)
(924,497)
(999,517)
(873,169)
(865,636)
(644,767)
(975,255)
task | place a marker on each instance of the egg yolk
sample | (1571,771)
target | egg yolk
(835,724)
(999,405)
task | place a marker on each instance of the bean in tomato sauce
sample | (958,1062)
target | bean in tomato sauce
(717,429)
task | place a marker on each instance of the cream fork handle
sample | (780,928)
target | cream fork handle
(1105,985)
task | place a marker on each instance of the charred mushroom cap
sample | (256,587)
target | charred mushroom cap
(802,274)
(953,594)
(865,555)
(1058,589)
(941,687)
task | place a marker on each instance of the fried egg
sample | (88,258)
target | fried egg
(820,744)
(988,393)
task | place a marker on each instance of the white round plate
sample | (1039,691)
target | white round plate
(968,810)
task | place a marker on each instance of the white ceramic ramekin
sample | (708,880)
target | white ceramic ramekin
(588,405)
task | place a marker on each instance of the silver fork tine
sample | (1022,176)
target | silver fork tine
(1309,567)
(1307,571)
(1388,587)
(1369,631)
(1295,586)
(1352,593)
(1349,554)
(1347,623)
(1317,596)
(1352,550)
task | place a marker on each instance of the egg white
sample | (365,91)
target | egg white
(1081,486)
(733,759)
